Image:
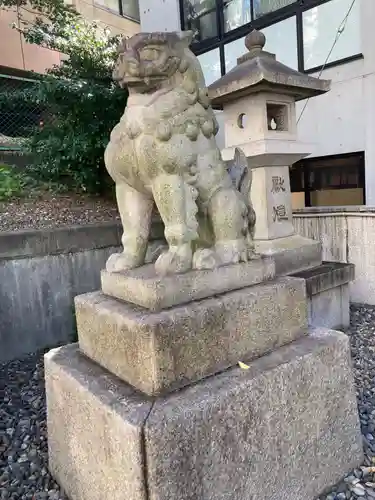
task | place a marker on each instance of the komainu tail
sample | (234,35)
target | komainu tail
(242,178)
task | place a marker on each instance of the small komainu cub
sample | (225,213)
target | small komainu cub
(164,151)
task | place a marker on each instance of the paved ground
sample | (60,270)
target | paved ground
(23,437)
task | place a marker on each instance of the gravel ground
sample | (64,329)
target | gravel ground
(23,435)
(55,211)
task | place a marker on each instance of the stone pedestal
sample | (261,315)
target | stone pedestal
(272,202)
(142,286)
(274,231)
(160,352)
(285,429)
(152,405)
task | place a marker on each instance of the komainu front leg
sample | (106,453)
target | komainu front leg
(135,210)
(175,200)
(229,217)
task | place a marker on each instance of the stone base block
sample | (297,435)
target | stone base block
(285,429)
(95,429)
(143,287)
(292,254)
(327,288)
(160,352)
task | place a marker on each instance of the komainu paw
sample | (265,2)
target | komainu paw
(205,258)
(178,259)
(118,262)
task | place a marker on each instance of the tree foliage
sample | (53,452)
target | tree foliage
(52,10)
(77,101)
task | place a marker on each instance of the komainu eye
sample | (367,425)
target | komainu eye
(149,54)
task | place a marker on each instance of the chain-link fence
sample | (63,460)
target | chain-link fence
(18,115)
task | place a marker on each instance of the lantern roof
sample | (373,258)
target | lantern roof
(259,71)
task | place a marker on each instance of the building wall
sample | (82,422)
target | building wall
(116,23)
(159,15)
(337,197)
(329,198)
(343,121)
(334,122)
(16,53)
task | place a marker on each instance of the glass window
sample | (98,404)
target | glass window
(236,13)
(200,17)
(320,26)
(281,40)
(210,62)
(297,180)
(232,51)
(113,5)
(130,8)
(263,7)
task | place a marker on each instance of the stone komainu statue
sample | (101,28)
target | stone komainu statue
(163,150)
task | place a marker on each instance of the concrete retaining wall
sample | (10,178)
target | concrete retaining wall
(347,235)
(40,273)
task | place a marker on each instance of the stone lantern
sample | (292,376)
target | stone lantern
(258,98)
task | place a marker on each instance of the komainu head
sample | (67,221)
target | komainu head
(148,59)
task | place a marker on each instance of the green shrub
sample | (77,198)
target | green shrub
(69,149)
(78,102)
(12,183)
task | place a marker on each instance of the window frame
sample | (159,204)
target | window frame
(295,9)
(309,165)
(120,12)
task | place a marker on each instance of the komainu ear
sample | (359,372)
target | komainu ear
(123,45)
(186,37)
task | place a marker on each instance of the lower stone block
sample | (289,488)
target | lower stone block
(284,429)
(95,429)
